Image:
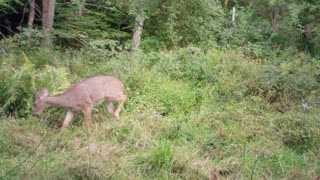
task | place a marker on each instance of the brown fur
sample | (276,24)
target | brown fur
(82,96)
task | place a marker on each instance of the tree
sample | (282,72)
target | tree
(184,22)
(48,8)
(139,20)
(275,17)
(226,2)
(31,13)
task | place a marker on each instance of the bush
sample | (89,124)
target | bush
(295,78)
(186,64)
(20,84)
(167,97)
(299,131)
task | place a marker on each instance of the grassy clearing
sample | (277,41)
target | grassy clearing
(189,113)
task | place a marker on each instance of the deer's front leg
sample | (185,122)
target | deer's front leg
(68,119)
(87,117)
(109,107)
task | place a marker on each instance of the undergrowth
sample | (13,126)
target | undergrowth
(190,114)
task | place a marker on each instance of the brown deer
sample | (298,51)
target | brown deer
(82,96)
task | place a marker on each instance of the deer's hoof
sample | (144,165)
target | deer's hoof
(63,129)
(116,115)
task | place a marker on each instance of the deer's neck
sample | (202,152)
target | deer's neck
(60,100)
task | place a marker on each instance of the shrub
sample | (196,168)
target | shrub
(186,64)
(19,84)
(168,97)
(296,79)
(299,131)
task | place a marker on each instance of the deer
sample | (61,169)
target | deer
(82,96)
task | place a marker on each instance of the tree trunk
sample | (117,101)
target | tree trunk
(138,27)
(275,17)
(226,2)
(308,30)
(234,15)
(31,13)
(137,32)
(48,7)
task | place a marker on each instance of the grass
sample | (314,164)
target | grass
(187,116)
(149,148)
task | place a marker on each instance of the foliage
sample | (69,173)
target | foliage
(169,97)
(189,112)
(207,96)
(19,85)
(269,25)
(102,20)
(7,6)
(28,38)
(180,23)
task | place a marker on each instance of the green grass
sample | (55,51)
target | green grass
(186,115)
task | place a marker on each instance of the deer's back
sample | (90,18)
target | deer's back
(96,89)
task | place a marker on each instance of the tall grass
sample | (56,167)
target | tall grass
(188,113)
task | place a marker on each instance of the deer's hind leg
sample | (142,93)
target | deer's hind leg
(87,116)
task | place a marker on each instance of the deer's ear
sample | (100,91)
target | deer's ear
(38,94)
(45,92)
(42,92)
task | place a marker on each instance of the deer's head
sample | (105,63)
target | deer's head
(39,102)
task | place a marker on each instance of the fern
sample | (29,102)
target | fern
(19,84)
